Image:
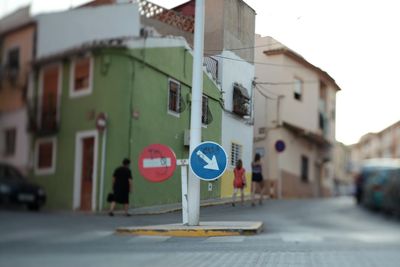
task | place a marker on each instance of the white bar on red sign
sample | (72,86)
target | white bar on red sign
(157,163)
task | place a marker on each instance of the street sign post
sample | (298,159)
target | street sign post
(184,180)
(157,162)
(208,161)
(280,146)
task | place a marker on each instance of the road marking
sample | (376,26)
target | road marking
(225,239)
(375,238)
(149,239)
(157,163)
(26,235)
(301,237)
(81,237)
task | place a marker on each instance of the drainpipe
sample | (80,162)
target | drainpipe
(103,166)
(278,110)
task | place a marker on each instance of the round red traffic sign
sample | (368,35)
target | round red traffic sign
(157,162)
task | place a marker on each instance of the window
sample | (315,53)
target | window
(321,121)
(204,110)
(13,59)
(81,77)
(262,130)
(304,168)
(298,89)
(236,153)
(10,141)
(49,100)
(45,156)
(174,94)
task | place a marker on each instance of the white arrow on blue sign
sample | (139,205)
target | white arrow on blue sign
(208,161)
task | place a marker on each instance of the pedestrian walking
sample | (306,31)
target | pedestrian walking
(257,180)
(239,181)
(122,186)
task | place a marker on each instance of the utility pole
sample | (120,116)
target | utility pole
(195,117)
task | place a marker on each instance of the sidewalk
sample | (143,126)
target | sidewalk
(204,229)
(160,209)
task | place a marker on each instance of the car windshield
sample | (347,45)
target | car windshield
(10,173)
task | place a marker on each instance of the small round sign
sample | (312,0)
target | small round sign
(280,146)
(101,121)
(157,162)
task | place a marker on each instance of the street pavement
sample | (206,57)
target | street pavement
(315,232)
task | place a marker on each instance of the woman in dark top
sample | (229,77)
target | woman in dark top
(257,180)
(122,183)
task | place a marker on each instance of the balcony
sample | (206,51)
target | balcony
(241,101)
(44,125)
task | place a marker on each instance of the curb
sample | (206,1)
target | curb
(165,209)
(205,229)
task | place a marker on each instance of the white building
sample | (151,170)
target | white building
(295,103)
(236,77)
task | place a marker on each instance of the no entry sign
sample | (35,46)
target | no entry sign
(157,162)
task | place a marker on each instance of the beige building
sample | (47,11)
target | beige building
(383,144)
(343,177)
(17,33)
(295,102)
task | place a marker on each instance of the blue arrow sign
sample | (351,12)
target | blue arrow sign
(208,161)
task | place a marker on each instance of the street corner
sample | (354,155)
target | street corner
(204,229)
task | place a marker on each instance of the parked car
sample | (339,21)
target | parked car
(16,189)
(375,182)
(391,201)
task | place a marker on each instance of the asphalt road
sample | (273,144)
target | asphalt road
(320,232)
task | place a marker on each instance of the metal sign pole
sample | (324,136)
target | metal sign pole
(279,147)
(279,177)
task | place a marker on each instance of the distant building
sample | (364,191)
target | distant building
(228,24)
(17,35)
(343,177)
(383,144)
(295,102)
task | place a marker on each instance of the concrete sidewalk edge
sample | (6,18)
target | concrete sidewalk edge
(161,209)
(205,229)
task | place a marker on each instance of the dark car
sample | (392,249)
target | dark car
(374,180)
(16,189)
(391,201)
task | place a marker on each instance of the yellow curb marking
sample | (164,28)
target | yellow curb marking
(179,233)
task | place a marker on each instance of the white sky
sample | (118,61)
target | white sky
(356,41)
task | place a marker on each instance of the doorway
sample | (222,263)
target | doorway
(87,173)
(85,179)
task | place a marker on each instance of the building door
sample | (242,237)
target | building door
(87,173)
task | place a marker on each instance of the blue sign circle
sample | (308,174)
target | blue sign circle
(208,161)
(280,146)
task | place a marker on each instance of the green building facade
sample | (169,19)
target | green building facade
(74,161)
